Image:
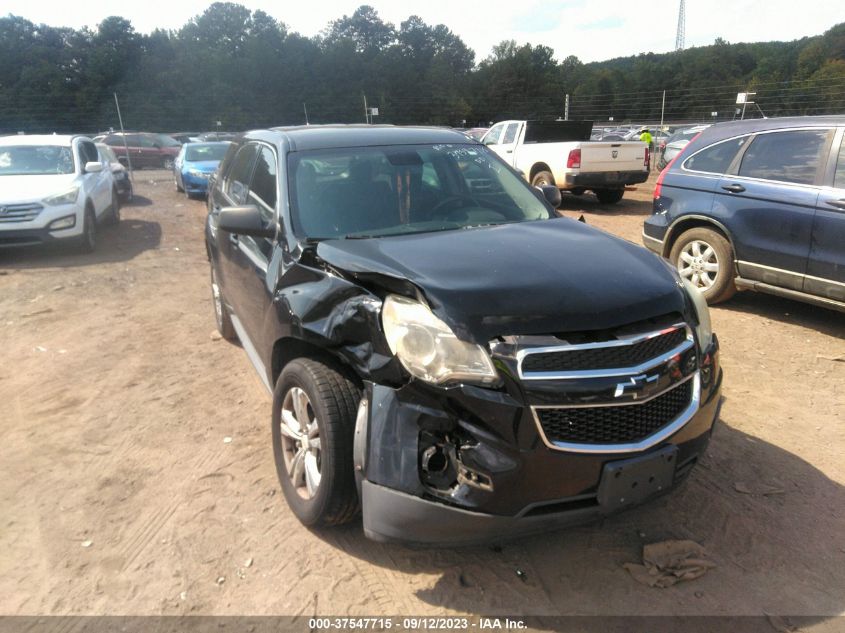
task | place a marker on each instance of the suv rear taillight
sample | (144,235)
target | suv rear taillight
(645,159)
(574,160)
(658,186)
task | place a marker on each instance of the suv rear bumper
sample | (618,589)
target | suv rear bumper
(605,179)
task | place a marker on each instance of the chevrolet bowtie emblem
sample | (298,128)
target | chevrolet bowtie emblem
(635,385)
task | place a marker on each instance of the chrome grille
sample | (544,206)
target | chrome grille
(615,357)
(610,425)
(19,212)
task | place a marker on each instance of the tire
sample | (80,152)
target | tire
(221,315)
(578,191)
(542,178)
(167,163)
(114,214)
(330,406)
(609,196)
(178,186)
(707,249)
(88,241)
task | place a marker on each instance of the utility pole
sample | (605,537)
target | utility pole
(566,108)
(662,109)
(366,111)
(123,134)
(304,107)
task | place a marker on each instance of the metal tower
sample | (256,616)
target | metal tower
(679,36)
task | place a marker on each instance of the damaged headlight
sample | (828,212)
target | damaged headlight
(428,348)
(704,331)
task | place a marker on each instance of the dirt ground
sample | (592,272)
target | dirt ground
(136,473)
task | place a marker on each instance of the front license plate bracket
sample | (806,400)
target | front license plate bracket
(629,482)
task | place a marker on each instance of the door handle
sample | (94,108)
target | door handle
(734,188)
(839,204)
(233,238)
(508,151)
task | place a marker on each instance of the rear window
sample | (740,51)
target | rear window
(792,156)
(717,158)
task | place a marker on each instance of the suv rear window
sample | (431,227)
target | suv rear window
(792,156)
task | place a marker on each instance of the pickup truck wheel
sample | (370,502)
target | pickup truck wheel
(221,314)
(609,196)
(314,408)
(705,258)
(543,178)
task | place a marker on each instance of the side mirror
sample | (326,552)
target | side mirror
(245,220)
(93,168)
(551,195)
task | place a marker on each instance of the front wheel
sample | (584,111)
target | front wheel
(221,314)
(114,215)
(88,241)
(705,258)
(314,408)
(609,196)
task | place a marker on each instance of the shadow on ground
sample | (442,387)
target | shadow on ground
(118,243)
(778,553)
(787,311)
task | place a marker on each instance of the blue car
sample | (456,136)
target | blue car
(757,205)
(195,164)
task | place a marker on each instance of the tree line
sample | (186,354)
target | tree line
(246,69)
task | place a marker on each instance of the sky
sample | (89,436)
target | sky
(592,30)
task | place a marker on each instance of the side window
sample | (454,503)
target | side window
(785,156)
(839,177)
(494,134)
(429,176)
(263,186)
(717,158)
(146,141)
(132,140)
(237,181)
(88,153)
(510,134)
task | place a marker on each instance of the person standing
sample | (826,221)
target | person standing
(645,137)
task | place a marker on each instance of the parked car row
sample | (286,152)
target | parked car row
(194,165)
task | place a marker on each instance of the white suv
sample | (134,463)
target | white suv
(54,188)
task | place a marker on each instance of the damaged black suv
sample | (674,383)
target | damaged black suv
(446,355)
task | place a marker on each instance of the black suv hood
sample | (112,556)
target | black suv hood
(539,277)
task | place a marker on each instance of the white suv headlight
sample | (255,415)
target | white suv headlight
(703,330)
(428,348)
(65,197)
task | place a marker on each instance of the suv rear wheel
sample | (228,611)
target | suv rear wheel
(705,258)
(543,178)
(314,408)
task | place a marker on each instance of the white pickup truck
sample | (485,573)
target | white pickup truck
(560,153)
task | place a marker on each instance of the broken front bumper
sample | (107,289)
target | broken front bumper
(526,486)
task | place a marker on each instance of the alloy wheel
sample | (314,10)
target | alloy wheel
(699,264)
(300,436)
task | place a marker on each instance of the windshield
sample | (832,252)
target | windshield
(167,141)
(402,189)
(107,153)
(35,160)
(210,151)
